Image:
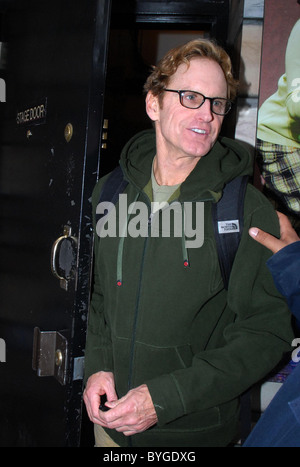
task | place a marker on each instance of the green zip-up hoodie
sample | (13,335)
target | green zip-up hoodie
(160,318)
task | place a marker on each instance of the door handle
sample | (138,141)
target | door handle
(63,258)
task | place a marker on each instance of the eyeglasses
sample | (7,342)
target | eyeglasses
(194,100)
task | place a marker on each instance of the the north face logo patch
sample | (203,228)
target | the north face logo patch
(232,226)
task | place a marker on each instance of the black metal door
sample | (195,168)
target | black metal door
(50,152)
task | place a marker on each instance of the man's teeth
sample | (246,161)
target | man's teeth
(197,130)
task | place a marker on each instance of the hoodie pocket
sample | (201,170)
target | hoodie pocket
(151,361)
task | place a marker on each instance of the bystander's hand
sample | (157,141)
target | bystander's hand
(287,235)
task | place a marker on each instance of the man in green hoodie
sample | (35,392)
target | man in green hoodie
(168,346)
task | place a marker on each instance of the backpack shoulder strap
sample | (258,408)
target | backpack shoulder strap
(114,185)
(228,220)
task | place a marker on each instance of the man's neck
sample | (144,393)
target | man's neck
(170,172)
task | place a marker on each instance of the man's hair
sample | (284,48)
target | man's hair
(198,48)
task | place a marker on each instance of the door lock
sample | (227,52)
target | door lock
(58,357)
(50,352)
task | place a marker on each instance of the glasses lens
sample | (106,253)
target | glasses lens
(191,100)
(221,106)
(194,100)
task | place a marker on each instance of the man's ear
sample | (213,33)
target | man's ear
(152,106)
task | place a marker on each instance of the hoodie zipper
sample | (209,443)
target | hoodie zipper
(132,348)
(185,263)
(136,312)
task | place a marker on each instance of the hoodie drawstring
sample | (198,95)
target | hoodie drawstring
(185,253)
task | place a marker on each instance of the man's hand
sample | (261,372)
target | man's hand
(287,235)
(131,414)
(97,385)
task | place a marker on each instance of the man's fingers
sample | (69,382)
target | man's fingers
(92,406)
(265,239)
(98,385)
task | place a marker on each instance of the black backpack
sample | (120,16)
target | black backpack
(227,215)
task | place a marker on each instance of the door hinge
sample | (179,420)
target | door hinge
(50,354)
(78,368)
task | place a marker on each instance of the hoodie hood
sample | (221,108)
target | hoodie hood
(226,161)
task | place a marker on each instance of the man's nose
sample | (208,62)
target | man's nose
(204,112)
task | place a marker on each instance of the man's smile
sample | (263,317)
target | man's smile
(199,131)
